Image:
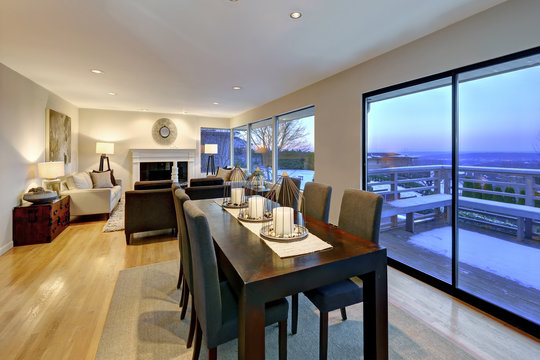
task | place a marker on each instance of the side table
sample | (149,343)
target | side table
(40,223)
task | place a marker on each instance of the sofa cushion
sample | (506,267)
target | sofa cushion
(224,174)
(153,184)
(208,181)
(82,180)
(113,180)
(101,179)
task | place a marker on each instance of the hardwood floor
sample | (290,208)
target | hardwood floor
(54,298)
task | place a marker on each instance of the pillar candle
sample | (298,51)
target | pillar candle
(237,196)
(256,206)
(283,220)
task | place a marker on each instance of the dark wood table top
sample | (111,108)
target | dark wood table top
(253,260)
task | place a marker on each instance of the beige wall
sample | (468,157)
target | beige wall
(133,130)
(504,29)
(23,106)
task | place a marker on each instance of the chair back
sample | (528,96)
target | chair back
(360,214)
(180,198)
(316,200)
(207,292)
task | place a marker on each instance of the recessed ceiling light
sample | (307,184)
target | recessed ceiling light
(295,15)
(145,110)
(112,93)
(97,71)
(215,103)
(236,87)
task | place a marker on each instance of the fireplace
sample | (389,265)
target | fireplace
(162,170)
(158,163)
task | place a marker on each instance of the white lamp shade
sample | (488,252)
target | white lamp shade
(210,149)
(51,170)
(104,148)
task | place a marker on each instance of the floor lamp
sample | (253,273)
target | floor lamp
(211,150)
(104,149)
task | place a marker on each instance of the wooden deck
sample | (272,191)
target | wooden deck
(511,295)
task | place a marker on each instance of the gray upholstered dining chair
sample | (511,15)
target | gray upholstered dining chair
(186,272)
(179,221)
(360,214)
(217,307)
(316,200)
(315,203)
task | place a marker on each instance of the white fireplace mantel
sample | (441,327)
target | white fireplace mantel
(139,156)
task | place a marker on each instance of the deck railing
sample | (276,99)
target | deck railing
(508,185)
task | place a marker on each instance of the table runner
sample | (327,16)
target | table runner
(311,244)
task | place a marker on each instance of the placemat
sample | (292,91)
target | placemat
(311,244)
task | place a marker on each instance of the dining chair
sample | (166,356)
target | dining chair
(316,200)
(216,304)
(315,203)
(360,214)
(179,221)
(186,271)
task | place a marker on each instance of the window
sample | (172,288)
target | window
(457,159)
(220,137)
(261,145)
(240,146)
(296,144)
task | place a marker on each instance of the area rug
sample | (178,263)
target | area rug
(144,323)
(116,220)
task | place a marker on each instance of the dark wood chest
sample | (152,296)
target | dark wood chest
(40,223)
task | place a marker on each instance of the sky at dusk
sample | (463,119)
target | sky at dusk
(499,113)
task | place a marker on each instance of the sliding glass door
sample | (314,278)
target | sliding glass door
(499,183)
(409,158)
(456,157)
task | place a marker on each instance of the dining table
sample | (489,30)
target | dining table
(258,275)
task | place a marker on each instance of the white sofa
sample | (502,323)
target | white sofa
(91,201)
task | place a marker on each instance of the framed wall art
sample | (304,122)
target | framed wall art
(58,137)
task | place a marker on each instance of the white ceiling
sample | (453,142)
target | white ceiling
(176,56)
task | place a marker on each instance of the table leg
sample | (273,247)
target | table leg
(376,313)
(251,313)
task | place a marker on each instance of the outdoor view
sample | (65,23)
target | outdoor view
(295,145)
(409,134)
(221,137)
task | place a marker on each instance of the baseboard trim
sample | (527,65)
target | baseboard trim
(6,247)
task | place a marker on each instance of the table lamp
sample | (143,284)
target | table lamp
(104,149)
(51,171)
(211,150)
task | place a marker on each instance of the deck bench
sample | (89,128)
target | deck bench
(411,205)
(524,213)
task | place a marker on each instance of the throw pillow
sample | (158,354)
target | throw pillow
(101,179)
(237,174)
(224,174)
(82,180)
(113,180)
(70,184)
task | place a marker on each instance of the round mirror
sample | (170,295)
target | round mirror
(164,132)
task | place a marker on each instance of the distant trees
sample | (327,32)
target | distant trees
(507,198)
(292,137)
